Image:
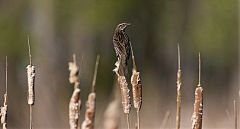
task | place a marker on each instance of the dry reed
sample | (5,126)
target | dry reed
(198,104)
(136,88)
(4,107)
(88,123)
(75,101)
(31,83)
(179,83)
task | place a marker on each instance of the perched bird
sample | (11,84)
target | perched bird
(121,45)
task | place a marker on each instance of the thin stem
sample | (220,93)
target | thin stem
(29,51)
(6,75)
(133,58)
(138,119)
(95,73)
(199,69)
(179,58)
(128,123)
(30,110)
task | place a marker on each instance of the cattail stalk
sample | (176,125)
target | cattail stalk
(88,123)
(31,83)
(179,83)
(136,88)
(75,101)
(4,107)
(198,104)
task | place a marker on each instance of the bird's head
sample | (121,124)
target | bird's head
(122,26)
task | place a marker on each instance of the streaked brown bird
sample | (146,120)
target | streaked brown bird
(121,45)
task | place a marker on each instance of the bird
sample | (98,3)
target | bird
(121,44)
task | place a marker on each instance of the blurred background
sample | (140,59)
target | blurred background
(57,29)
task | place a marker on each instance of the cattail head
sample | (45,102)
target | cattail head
(74,109)
(112,115)
(124,94)
(198,109)
(31,83)
(136,89)
(88,123)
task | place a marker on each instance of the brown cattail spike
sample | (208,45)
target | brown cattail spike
(112,115)
(88,123)
(74,109)
(198,104)
(4,107)
(31,82)
(179,83)
(75,101)
(136,88)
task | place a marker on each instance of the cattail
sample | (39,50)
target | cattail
(74,109)
(112,115)
(31,78)
(198,104)
(75,101)
(31,83)
(4,107)
(235,114)
(88,123)
(179,83)
(136,88)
